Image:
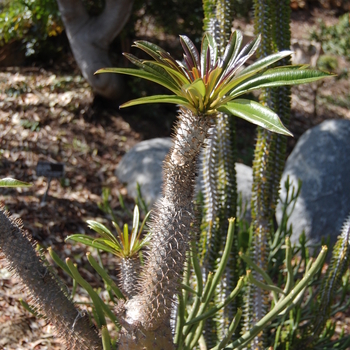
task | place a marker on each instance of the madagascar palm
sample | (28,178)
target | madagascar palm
(203,84)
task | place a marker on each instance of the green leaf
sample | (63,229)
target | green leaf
(156,78)
(265,62)
(255,113)
(279,77)
(158,99)
(135,226)
(151,49)
(172,72)
(126,239)
(204,49)
(9,182)
(190,50)
(198,86)
(213,50)
(91,242)
(102,230)
(232,48)
(107,279)
(156,68)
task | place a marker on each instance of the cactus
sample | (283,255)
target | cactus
(219,177)
(272,20)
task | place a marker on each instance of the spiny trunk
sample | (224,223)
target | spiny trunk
(129,271)
(150,310)
(44,290)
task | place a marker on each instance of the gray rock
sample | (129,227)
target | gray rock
(321,160)
(143,165)
(244,175)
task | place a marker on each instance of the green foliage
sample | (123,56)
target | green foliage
(9,182)
(206,83)
(335,39)
(33,22)
(124,245)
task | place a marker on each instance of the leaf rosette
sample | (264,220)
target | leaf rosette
(207,84)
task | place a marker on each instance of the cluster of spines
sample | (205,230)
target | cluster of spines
(171,226)
(46,294)
(219,176)
(338,265)
(272,22)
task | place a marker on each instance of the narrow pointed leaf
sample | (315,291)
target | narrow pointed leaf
(158,99)
(213,50)
(142,74)
(9,182)
(279,77)
(232,48)
(249,49)
(91,242)
(103,273)
(135,226)
(255,113)
(151,49)
(117,228)
(213,79)
(172,72)
(143,224)
(158,69)
(126,239)
(204,49)
(102,230)
(265,62)
(190,49)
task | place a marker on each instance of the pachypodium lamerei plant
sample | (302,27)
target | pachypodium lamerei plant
(126,246)
(204,84)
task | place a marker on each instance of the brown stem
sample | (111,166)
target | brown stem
(47,296)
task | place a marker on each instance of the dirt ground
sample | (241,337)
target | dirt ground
(49,116)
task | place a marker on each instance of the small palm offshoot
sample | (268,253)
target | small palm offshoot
(203,85)
(206,84)
(126,246)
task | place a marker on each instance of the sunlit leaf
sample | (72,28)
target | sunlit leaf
(91,242)
(9,182)
(190,50)
(135,225)
(142,74)
(255,113)
(158,99)
(232,48)
(265,62)
(102,230)
(278,77)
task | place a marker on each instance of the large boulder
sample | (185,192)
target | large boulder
(321,160)
(143,165)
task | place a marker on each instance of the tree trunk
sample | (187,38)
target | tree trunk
(90,37)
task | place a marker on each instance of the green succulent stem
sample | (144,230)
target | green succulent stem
(247,337)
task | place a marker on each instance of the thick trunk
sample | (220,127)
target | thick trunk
(44,290)
(149,311)
(90,37)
